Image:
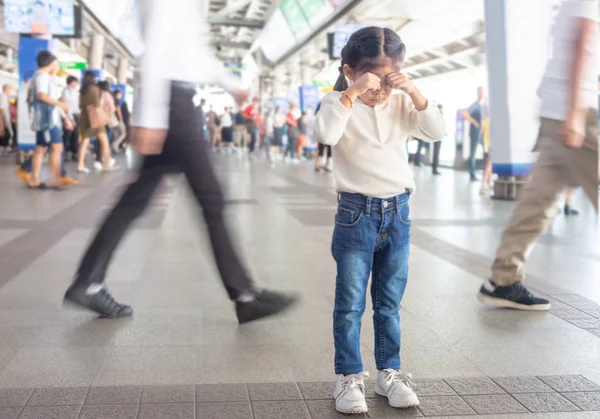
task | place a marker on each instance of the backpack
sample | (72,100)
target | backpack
(40,114)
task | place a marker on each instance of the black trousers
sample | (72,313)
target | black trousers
(184,151)
(436,156)
(324,149)
(71,138)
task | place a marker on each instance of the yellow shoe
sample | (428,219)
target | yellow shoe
(23,175)
(67,180)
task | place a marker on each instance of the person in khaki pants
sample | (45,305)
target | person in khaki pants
(568,152)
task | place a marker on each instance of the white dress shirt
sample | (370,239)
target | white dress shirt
(227,120)
(555,90)
(175,35)
(370,142)
(71,97)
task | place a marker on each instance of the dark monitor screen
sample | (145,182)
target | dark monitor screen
(39,17)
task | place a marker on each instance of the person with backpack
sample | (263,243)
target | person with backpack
(47,114)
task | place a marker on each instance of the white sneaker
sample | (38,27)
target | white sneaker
(349,393)
(397,387)
(98,165)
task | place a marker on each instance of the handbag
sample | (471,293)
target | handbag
(97,117)
(114,121)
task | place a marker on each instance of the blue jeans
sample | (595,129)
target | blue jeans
(371,236)
(475,141)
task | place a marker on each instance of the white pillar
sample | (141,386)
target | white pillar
(122,70)
(96,56)
(518,44)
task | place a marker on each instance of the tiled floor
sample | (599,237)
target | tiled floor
(184,336)
(450,397)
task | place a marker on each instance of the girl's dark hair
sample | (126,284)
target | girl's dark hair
(89,79)
(45,58)
(104,86)
(366,50)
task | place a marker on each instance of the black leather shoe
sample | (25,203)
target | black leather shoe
(101,303)
(266,303)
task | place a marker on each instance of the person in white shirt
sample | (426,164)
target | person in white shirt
(7,133)
(176,59)
(567,146)
(227,129)
(71,97)
(368,127)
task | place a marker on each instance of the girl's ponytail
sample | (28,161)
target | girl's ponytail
(341,84)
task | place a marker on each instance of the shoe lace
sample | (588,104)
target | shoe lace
(356,380)
(396,376)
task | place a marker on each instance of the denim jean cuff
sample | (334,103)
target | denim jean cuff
(348,369)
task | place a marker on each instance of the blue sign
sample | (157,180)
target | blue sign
(309,97)
(281,103)
(341,35)
(97,73)
(29,48)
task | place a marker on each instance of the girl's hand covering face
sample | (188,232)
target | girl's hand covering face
(399,81)
(365,83)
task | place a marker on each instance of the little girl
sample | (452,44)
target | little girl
(368,127)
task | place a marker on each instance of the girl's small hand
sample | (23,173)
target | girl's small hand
(399,81)
(366,82)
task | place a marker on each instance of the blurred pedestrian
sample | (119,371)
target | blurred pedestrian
(567,146)
(167,127)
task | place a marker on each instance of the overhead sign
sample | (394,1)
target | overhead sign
(73,65)
(295,18)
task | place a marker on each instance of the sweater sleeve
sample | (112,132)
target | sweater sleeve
(427,125)
(332,119)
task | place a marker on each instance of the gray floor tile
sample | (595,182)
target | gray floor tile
(325,409)
(317,391)
(280,409)
(474,386)
(585,323)
(58,396)
(545,402)
(10,412)
(114,395)
(227,410)
(495,403)
(589,400)
(221,393)
(119,411)
(380,408)
(274,391)
(594,331)
(168,394)
(433,388)
(568,312)
(168,410)
(51,412)
(564,383)
(444,406)
(515,385)
(14,397)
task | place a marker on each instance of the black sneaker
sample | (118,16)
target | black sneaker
(437,172)
(266,303)
(514,296)
(101,303)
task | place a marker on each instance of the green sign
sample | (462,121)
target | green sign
(295,17)
(321,83)
(73,66)
(312,8)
